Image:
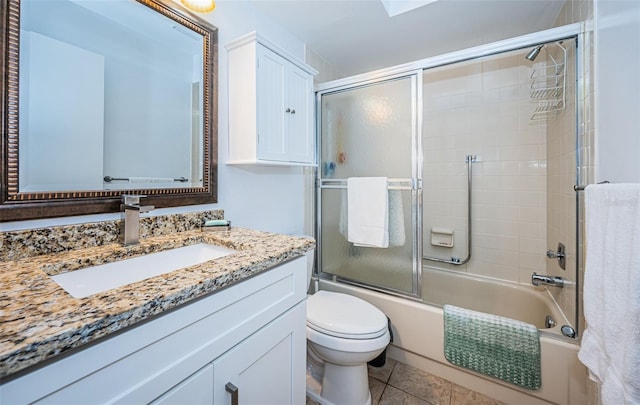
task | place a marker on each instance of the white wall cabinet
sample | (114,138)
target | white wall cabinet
(270,105)
(251,335)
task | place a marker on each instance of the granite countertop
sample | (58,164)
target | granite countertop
(39,320)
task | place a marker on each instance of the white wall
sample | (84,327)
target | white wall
(617,90)
(268,199)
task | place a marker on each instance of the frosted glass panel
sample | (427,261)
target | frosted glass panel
(390,268)
(367,131)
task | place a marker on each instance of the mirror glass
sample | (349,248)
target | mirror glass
(110,97)
(102,98)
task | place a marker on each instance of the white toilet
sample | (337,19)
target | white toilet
(343,334)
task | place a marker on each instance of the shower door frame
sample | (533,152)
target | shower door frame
(415,182)
(576,30)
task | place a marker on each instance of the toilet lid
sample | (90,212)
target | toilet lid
(344,316)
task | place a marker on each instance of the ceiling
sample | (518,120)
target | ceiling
(358,36)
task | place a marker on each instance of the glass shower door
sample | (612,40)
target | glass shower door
(370,131)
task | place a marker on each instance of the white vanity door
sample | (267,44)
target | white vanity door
(267,368)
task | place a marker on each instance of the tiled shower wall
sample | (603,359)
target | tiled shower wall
(483,108)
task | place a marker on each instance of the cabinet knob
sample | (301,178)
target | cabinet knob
(288,110)
(293,111)
(234,391)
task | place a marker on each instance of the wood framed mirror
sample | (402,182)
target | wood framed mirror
(105,98)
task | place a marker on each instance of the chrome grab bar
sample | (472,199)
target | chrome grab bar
(455,260)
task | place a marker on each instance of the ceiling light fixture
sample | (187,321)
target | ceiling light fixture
(199,6)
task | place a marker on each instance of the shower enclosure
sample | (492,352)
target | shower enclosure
(479,148)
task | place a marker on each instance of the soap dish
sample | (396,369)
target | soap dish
(217,228)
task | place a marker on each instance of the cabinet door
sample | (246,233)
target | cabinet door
(195,390)
(272,118)
(267,368)
(300,129)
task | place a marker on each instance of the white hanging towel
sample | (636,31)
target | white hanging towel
(611,342)
(368,211)
(396,219)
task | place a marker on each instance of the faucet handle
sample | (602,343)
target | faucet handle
(131,199)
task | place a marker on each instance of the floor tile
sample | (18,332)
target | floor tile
(397,384)
(376,387)
(382,373)
(434,390)
(393,396)
(464,396)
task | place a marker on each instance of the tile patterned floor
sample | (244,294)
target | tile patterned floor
(397,383)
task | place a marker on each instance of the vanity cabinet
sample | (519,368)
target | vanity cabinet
(270,105)
(250,336)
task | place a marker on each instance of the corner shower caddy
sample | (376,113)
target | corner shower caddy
(548,86)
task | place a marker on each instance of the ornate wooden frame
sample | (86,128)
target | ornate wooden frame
(16,205)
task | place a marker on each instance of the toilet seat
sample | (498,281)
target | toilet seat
(348,345)
(344,316)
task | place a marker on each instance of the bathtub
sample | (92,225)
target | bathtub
(516,301)
(418,330)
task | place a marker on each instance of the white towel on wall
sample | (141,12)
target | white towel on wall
(611,342)
(368,211)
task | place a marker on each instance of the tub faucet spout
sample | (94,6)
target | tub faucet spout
(554,281)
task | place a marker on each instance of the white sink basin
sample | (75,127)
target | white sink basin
(85,282)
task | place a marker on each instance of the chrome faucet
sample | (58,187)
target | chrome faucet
(559,254)
(554,281)
(132,209)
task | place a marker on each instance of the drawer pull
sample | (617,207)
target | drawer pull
(234,391)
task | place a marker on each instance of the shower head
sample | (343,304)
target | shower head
(534,53)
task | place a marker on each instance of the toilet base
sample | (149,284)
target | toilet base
(346,384)
(342,392)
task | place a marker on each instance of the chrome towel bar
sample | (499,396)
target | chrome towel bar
(580,187)
(342,183)
(109,179)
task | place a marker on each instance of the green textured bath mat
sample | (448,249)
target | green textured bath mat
(499,347)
